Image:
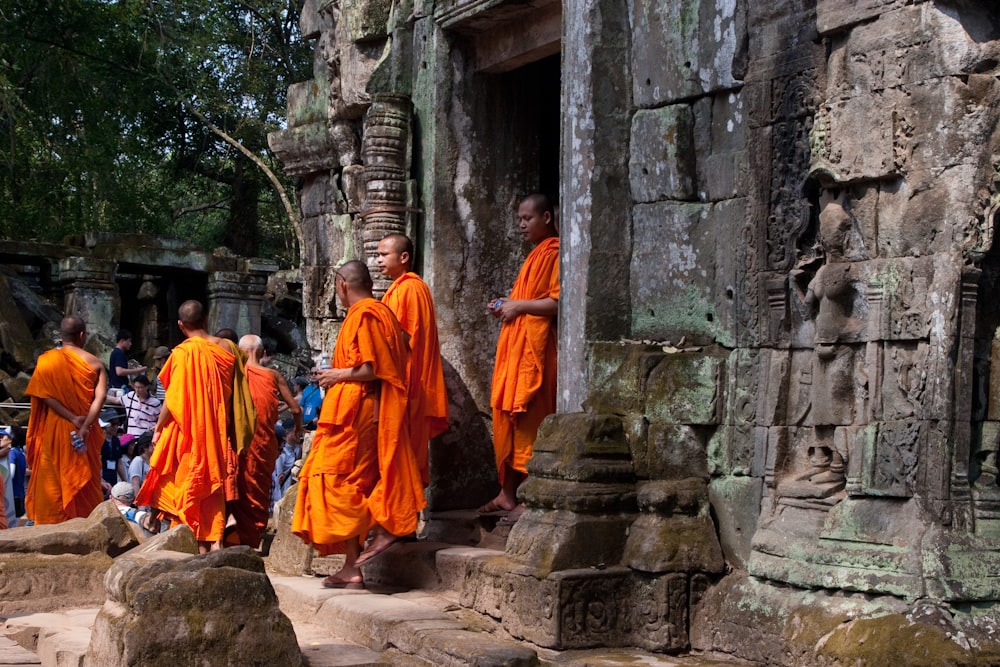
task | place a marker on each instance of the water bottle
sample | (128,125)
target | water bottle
(79,445)
(324,361)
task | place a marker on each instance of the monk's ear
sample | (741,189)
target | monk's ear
(404,257)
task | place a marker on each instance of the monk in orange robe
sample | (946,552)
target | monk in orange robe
(256,461)
(410,300)
(524,377)
(187,475)
(360,473)
(67,392)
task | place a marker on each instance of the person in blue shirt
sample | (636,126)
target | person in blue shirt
(311,401)
(18,469)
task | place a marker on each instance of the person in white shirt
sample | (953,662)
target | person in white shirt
(143,408)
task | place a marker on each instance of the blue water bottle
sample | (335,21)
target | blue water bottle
(79,445)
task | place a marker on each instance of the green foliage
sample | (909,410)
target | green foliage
(99,118)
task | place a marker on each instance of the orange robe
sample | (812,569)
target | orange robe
(524,377)
(188,468)
(241,417)
(361,470)
(256,462)
(410,300)
(63,484)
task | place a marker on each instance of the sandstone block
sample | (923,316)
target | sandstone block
(104,531)
(682,49)
(662,160)
(169,609)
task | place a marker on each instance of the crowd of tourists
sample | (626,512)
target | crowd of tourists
(198,438)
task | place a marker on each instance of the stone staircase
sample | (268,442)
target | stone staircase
(410,615)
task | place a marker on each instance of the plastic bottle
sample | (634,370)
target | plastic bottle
(324,361)
(79,444)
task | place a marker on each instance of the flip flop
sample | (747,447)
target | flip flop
(336,582)
(370,554)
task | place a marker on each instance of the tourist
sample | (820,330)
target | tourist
(157,389)
(256,463)
(523,394)
(360,474)
(67,391)
(291,451)
(142,408)
(18,469)
(138,469)
(311,400)
(113,469)
(188,468)
(119,371)
(410,300)
(122,494)
(8,512)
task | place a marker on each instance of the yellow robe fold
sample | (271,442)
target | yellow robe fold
(256,461)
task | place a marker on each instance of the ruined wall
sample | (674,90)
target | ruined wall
(778,264)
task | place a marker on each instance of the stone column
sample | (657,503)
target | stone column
(235,297)
(595,225)
(386,155)
(90,293)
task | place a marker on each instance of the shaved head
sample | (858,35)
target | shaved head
(70,327)
(252,345)
(400,243)
(356,275)
(540,203)
(192,314)
(228,334)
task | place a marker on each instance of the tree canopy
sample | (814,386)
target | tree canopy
(129,115)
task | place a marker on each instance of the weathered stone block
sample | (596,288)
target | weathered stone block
(658,612)
(549,541)
(366,19)
(568,609)
(675,451)
(662,161)
(33,583)
(618,375)
(672,272)
(170,609)
(682,49)
(835,16)
(687,388)
(721,136)
(736,508)
(674,532)
(104,531)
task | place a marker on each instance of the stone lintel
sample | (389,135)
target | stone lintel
(511,45)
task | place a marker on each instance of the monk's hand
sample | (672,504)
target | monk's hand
(328,376)
(77,422)
(82,431)
(508,310)
(496,307)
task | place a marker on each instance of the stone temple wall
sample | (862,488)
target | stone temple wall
(778,319)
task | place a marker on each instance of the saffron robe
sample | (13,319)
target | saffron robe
(256,461)
(410,300)
(524,376)
(241,417)
(63,484)
(361,470)
(187,471)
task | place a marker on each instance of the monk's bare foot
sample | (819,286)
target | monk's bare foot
(514,515)
(496,507)
(340,580)
(379,544)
